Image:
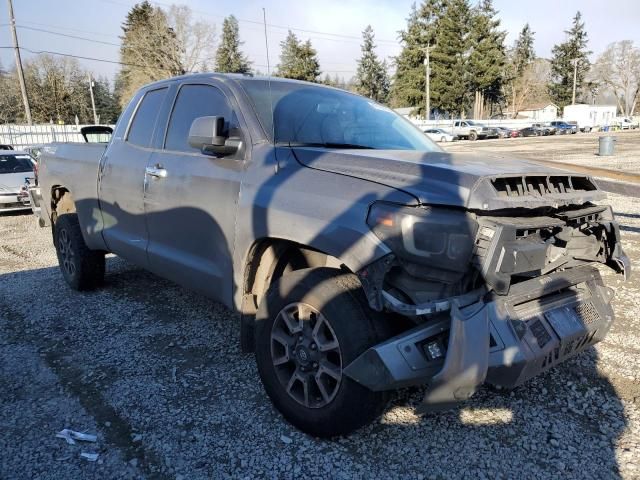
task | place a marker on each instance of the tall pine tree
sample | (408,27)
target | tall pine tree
(371,78)
(449,59)
(149,50)
(229,58)
(486,58)
(298,60)
(408,88)
(567,56)
(523,52)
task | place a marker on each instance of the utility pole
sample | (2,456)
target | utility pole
(575,78)
(427,92)
(16,48)
(93,102)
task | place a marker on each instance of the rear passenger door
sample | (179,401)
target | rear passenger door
(121,180)
(191,207)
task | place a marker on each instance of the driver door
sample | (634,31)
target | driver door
(191,198)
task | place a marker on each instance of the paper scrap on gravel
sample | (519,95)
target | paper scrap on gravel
(71,436)
(91,457)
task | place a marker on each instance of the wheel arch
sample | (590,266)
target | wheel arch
(267,260)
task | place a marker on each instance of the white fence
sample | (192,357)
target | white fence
(23,136)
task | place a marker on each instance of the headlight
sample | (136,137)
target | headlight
(431,236)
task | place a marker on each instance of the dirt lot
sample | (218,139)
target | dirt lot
(580,149)
(156,372)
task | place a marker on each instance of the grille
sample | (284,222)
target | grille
(542,336)
(540,186)
(587,313)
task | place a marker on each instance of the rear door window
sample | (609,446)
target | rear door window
(195,101)
(144,121)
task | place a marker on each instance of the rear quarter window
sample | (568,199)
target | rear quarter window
(144,121)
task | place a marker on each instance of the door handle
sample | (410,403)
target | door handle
(156,171)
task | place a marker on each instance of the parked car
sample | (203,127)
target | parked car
(472,130)
(625,123)
(544,129)
(505,132)
(440,135)
(530,132)
(564,127)
(15,168)
(361,257)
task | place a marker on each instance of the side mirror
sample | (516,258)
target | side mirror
(207,135)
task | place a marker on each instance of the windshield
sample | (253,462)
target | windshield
(15,164)
(313,115)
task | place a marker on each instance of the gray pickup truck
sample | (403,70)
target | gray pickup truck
(360,256)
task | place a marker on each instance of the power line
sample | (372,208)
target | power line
(76,37)
(70,29)
(80,57)
(116,62)
(256,22)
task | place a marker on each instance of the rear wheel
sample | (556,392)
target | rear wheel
(82,269)
(311,324)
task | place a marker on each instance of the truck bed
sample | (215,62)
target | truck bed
(74,165)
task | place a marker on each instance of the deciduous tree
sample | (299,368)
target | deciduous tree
(617,69)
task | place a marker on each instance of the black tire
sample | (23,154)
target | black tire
(338,298)
(473,136)
(82,269)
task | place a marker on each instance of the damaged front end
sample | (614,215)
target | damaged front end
(496,296)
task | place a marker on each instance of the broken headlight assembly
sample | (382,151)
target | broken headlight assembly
(435,237)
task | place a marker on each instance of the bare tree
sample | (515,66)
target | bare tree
(618,70)
(530,86)
(195,39)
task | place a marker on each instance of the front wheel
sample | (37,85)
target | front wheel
(473,136)
(311,324)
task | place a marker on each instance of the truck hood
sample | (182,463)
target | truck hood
(474,182)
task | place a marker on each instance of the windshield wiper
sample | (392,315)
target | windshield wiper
(329,145)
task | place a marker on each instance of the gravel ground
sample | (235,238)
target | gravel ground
(156,372)
(580,149)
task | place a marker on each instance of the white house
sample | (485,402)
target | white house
(540,112)
(589,116)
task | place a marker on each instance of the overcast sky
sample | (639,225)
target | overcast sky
(334,26)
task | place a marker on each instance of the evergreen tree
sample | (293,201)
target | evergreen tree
(229,58)
(408,88)
(568,55)
(149,50)
(523,53)
(107,106)
(298,60)
(371,78)
(486,58)
(448,59)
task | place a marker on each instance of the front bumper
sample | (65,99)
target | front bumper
(502,339)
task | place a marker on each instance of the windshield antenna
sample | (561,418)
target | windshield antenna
(266,44)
